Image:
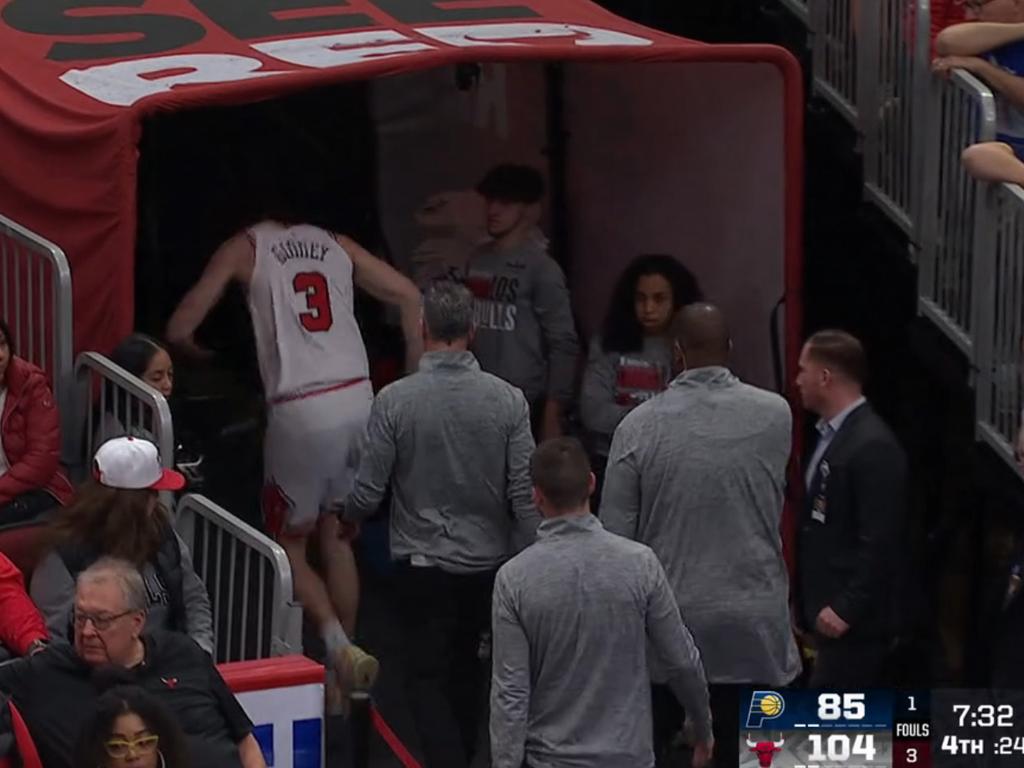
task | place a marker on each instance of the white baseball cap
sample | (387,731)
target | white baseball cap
(133,464)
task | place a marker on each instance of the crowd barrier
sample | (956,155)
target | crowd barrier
(963,112)
(110,402)
(834,52)
(35,301)
(893,76)
(249,581)
(1000,318)
(872,63)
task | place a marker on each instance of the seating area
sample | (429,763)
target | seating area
(246,573)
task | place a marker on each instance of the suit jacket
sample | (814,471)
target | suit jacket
(850,545)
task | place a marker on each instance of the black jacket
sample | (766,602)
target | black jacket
(56,693)
(852,526)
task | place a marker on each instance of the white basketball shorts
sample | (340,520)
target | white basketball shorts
(311,455)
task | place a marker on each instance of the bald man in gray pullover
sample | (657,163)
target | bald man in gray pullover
(572,615)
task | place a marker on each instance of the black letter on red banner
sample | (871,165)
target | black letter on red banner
(49,17)
(251,19)
(426,11)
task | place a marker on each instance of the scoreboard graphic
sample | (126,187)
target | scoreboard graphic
(816,729)
(792,728)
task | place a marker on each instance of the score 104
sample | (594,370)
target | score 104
(841,747)
(823,729)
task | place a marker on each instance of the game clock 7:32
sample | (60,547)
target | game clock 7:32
(977,728)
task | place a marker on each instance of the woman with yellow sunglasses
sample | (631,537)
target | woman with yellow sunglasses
(131,729)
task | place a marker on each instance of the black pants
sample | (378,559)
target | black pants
(850,663)
(28,506)
(725,705)
(443,617)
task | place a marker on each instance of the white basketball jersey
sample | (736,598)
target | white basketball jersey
(301,301)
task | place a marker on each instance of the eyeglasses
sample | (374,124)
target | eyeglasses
(101,623)
(144,745)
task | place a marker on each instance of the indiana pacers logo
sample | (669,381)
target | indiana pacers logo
(764,705)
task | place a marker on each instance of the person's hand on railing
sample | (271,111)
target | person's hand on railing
(944,65)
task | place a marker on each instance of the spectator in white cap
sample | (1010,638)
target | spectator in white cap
(117,513)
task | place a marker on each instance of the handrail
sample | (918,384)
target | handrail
(36,302)
(962,113)
(249,580)
(834,57)
(999,346)
(123,405)
(894,71)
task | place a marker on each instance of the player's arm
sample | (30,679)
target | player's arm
(976,37)
(387,284)
(226,264)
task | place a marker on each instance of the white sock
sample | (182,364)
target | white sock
(334,638)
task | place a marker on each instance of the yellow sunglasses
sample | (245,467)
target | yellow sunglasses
(143,745)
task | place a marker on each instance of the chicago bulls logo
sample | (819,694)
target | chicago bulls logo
(170,682)
(765,750)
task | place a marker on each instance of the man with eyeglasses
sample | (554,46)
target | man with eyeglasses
(55,690)
(991,47)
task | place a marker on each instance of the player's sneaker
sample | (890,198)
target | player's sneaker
(350,670)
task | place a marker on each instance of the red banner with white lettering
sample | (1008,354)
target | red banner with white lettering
(78,76)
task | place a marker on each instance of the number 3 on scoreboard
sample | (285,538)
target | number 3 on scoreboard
(318,301)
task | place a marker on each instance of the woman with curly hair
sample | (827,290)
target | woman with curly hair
(131,729)
(631,360)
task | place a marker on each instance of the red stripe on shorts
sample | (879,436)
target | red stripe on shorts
(314,392)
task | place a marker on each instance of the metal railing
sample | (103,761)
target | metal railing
(894,71)
(112,403)
(249,581)
(35,301)
(798,8)
(834,52)
(962,112)
(999,292)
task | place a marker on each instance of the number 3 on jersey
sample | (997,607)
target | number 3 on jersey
(318,301)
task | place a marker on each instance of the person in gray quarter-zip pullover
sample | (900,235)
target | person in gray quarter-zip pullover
(572,617)
(455,445)
(525,331)
(697,473)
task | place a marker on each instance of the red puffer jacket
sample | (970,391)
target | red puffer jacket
(30,430)
(20,621)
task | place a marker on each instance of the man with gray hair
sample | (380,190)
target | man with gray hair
(56,690)
(454,443)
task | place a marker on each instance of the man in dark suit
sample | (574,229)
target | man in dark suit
(851,529)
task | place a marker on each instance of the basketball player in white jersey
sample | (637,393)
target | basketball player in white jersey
(299,281)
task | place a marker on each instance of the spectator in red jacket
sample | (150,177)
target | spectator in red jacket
(22,629)
(31,479)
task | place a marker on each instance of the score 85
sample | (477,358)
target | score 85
(846,706)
